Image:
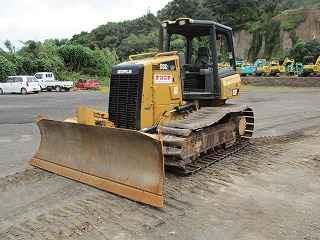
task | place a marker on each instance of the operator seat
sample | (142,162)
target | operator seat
(195,76)
(203,57)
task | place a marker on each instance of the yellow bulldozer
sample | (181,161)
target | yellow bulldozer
(165,111)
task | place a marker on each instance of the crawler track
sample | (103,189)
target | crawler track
(191,144)
(210,159)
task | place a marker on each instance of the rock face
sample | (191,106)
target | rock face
(310,28)
(307,30)
(286,41)
(243,41)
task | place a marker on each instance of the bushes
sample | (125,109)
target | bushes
(302,49)
(97,62)
(75,57)
(7,68)
(68,61)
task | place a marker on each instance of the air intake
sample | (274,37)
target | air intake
(125,96)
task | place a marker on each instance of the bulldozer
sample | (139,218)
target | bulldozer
(165,111)
(275,67)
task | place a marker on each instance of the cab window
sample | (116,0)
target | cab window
(38,76)
(201,53)
(224,53)
(10,80)
(18,79)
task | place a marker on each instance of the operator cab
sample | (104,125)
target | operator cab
(309,60)
(206,55)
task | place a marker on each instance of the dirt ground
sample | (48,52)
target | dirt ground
(270,190)
(312,81)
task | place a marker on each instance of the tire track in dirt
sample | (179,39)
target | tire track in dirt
(76,211)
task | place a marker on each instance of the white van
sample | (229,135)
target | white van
(20,84)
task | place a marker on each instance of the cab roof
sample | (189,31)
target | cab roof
(191,27)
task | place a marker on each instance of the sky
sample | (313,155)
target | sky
(22,20)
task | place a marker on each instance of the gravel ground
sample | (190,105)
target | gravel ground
(19,135)
(270,190)
(283,81)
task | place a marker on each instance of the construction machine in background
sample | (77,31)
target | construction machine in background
(261,66)
(253,69)
(275,68)
(289,66)
(247,69)
(311,66)
(298,68)
(239,63)
(165,111)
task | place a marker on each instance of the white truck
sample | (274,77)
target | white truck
(48,82)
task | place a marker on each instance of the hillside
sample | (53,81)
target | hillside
(281,34)
(262,28)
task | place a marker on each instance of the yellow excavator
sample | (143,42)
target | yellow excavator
(311,65)
(165,111)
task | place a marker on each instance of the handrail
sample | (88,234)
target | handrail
(140,55)
(151,54)
(167,53)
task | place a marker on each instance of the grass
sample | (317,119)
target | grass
(104,89)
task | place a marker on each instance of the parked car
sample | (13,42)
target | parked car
(48,82)
(90,84)
(20,84)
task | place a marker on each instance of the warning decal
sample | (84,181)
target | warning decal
(160,78)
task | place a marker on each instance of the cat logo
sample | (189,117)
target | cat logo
(124,71)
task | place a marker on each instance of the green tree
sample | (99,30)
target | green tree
(302,49)
(139,43)
(105,59)
(181,8)
(114,35)
(10,48)
(7,68)
(75,57)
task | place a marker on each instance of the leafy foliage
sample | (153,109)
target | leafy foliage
(128,37)
(91,54)
(302,49)
(61,57)
(7,68)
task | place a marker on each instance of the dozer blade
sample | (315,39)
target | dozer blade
(125,162)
